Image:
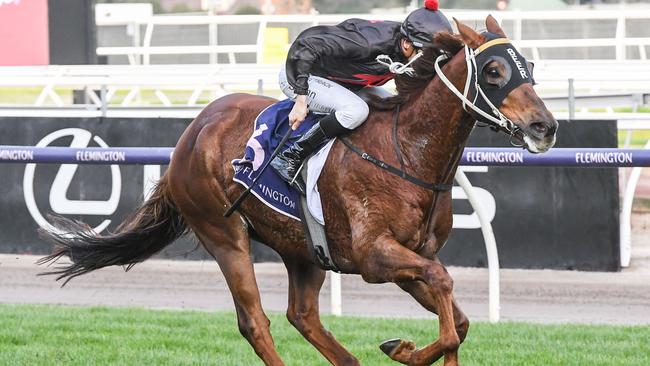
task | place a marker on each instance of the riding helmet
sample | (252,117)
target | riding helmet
(422,24)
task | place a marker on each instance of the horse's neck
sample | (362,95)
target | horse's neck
(434,128)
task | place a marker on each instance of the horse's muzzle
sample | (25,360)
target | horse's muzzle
(539,137)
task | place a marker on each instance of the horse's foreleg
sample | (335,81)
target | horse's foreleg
(305,281)
(388,261)
(232,252)
(421,292)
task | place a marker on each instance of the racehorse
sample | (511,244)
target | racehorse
(378,225)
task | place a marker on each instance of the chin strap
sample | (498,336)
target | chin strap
(497,118)
(398,67)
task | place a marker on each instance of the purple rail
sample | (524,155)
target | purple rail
(89,155)
(567,157)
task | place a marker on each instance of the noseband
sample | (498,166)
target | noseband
(493,117)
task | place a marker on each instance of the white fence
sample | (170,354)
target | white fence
(216,79)
(565,85)
(521,26)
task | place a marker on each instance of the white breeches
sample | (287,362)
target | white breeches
(326,96)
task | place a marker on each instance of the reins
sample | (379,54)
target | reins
(500,121)
(435,188)
(497,120)
(398,172)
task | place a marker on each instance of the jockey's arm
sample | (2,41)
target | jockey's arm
(298,112)
(307,51)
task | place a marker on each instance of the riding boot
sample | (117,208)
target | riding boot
(287,163)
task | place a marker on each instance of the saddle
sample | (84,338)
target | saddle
(269,128)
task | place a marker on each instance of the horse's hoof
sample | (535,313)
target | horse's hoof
(398,349)
(388,346)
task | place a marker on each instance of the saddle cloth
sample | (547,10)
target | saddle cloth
(268,129)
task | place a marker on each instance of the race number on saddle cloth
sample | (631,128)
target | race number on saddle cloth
(269,128)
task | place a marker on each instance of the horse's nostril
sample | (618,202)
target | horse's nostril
(539,128)
(544,129)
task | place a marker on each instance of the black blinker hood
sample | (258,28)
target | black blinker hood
(499,47)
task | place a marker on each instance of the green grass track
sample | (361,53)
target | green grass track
(56,335)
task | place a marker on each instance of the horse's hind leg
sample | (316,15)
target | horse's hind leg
(230,246)
(305,281)
(389,261)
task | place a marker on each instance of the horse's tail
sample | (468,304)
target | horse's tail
(156,224)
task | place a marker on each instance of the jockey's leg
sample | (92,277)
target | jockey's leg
(287,163)
(345,111)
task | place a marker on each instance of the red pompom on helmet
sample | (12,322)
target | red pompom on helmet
(431,4)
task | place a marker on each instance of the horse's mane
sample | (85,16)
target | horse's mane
(409,86)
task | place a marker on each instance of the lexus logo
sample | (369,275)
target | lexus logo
(58,199)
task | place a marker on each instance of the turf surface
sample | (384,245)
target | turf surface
(56,335)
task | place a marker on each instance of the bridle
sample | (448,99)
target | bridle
(497,120)
(494,118)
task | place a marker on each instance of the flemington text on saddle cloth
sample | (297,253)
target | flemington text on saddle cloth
(269,127)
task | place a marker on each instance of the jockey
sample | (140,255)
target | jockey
(331,69)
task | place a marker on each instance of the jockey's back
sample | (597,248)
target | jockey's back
(345,53)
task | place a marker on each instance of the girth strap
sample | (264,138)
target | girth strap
(393,170)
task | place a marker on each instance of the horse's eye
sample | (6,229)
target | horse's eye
(493,73)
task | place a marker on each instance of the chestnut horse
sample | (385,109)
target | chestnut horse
(379,226)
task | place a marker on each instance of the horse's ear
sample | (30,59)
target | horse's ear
(494,27)
(469,35)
